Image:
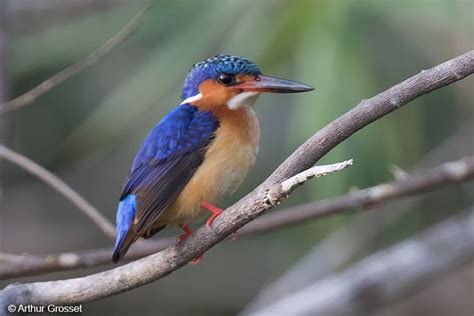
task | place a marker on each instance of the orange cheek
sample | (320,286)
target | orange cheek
(213,95)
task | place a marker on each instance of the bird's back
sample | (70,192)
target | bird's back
(166,161)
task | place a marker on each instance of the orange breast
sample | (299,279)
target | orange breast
(227,161)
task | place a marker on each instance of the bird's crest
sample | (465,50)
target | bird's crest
(211,67)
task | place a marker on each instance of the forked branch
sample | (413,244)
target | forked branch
(429,180)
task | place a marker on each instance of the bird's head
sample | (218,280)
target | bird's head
(231,81)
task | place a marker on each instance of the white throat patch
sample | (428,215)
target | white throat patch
(242,99)
(192,99)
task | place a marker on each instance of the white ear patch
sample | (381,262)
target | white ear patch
(192,99)
(241,99)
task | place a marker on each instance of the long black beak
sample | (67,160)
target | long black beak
(274,85)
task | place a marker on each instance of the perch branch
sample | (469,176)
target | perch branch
(440,176)
(76,68)
(59,185)
(269,199)
(256,203)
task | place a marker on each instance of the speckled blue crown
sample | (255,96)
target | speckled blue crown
(211,67)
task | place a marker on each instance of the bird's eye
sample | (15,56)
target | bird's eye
(225,79)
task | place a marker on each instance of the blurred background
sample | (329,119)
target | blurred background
(87,131)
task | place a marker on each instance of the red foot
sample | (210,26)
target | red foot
(187,232)
(197,260)
(234,236)
(214,210)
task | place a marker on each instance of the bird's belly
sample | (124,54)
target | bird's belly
(218,177)
(226,164)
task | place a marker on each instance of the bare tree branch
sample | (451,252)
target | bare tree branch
(443,175)
(271,198)
(292,183)
(59,185)
(256,203)
(76,68)
(29,265)
(385,276)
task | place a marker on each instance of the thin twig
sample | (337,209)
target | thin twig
(256,203)
(59,185)
(317,171)
(440,176)
(76,68)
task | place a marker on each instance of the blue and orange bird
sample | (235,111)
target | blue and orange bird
(198,153)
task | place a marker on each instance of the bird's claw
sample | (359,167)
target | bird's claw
(197,259)
(187,232)
(212,218)
(181,237)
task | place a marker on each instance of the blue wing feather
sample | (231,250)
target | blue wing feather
(125,214)
(166,161)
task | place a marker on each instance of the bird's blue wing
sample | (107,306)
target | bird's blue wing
(166,161)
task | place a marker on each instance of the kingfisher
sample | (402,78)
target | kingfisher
(197,154)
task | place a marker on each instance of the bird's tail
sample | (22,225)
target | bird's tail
(124,236)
